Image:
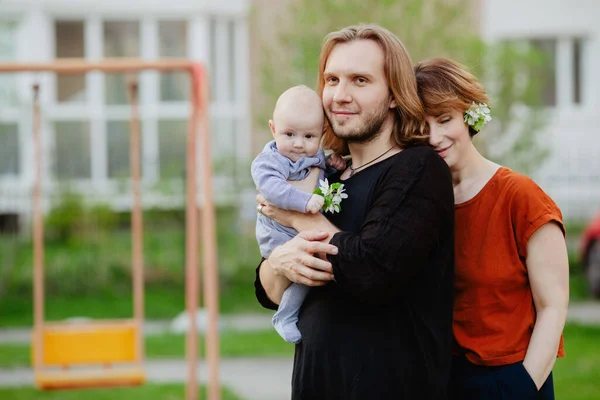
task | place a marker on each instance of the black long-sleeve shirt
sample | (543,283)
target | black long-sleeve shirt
(383,329)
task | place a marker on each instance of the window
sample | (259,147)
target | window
(172,137)
(117,139)
(72,141)
(9,150)
(8,40)
(70,43)
(172,36)
(546,48)
(121,39)
(568,75)
(223,150)
(577,70)
(106,123)
(223,60)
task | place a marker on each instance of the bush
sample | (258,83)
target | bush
(70,219)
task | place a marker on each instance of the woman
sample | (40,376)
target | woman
(511,267)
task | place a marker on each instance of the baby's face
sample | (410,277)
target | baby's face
(298,134)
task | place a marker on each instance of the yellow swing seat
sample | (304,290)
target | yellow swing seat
(91,354)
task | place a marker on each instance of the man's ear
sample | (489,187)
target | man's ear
(393,103)
(272,126)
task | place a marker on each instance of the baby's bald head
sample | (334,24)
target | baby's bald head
(298,100)
(298,114)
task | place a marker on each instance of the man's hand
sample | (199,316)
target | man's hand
(296,261)
(315,204)
(336,161)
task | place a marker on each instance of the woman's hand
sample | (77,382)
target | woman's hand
(296,261)
(548,269)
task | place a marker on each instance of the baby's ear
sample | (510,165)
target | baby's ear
(272,126)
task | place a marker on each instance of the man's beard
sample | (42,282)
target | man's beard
(369,129)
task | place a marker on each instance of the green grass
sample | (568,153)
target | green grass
(161,303)
(90,274)
(233,344)
(144,392)
(577,376)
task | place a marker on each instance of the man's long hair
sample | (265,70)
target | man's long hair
(409,126)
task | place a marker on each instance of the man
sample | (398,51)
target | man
(377,323)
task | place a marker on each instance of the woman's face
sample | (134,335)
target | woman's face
(449,136)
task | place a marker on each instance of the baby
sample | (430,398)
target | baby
(297,127)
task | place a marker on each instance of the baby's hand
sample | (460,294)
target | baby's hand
(336,161)
(314,204)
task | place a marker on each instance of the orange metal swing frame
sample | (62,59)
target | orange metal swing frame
(105,353)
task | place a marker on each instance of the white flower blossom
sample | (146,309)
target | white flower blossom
(333,194)
(477,115)
(324,186)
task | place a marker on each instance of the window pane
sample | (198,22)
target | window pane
(172,146)
(172,35)
(232,60)
(547,49)
(70,88)
(223,141)
(8,40)
(212,64)
(577,72)
(221,43)
(9,150)
(117,137)
(70,43)
(121,39)
(72,150)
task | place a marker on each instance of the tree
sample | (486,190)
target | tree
(428,28)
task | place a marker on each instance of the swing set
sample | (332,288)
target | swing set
(110,353)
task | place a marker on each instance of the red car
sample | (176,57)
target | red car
(590,255)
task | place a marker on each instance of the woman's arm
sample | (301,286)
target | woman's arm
(293,261)
(548,268)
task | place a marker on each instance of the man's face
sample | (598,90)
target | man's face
(356,95)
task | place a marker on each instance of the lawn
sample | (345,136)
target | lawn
(88,272)
(160,303)
(144,392)
(577,376)
(233,344)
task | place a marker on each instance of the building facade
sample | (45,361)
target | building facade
(568,32)
(85,118)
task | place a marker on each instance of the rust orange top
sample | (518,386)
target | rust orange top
(494,311)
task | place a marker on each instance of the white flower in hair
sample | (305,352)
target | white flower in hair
(478,115)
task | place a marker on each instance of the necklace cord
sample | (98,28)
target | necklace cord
(352,170)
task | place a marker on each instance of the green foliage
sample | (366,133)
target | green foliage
(89,271)
(432,28)
(70,219)
(515,78)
